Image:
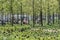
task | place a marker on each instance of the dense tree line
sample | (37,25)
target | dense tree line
(35,8)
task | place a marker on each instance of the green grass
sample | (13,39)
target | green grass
(27,32)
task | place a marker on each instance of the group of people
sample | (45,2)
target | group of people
(24,21)
(19,20)
(15,20)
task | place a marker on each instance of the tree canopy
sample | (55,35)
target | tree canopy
(27,6)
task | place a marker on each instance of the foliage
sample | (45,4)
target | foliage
(15,33)
(27,6)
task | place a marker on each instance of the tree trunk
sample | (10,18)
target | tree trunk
(53,18)
(41,20)
(58,18)
(12,14)
(21,14)
(33,14)
(2,14)
(28,18)
(17,18)
(48,18)
(2,18)
(48,14)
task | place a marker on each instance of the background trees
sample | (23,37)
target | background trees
(42,8)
